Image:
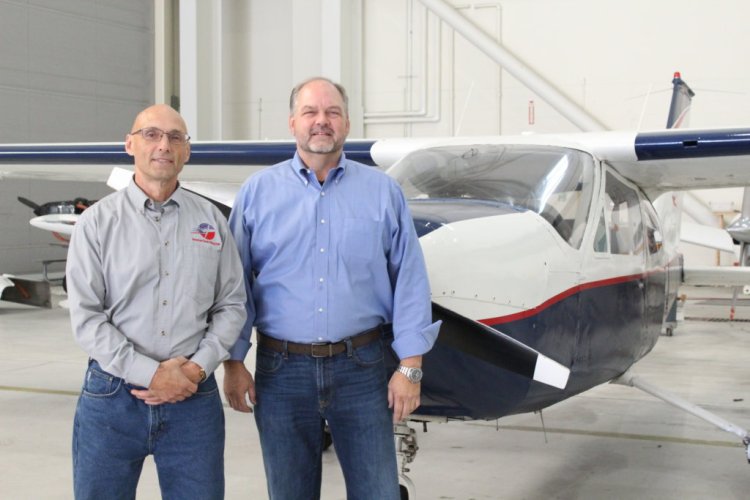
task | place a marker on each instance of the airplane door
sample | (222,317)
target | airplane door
(656,279)
(627,291)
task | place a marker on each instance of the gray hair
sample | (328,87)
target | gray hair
(298,87)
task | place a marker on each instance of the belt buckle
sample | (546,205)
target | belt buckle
(314,344)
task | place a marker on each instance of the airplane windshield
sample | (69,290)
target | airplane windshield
(554,182)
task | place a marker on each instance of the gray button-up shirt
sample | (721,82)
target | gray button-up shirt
(149,282)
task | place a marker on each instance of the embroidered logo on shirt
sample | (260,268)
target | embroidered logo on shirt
(205,233)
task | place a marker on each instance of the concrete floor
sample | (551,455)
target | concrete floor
(611,442)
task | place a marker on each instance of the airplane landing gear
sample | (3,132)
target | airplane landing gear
(406,451)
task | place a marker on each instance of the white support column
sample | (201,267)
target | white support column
(189,65)
(201,67)
(163,52)
(214,97)
(330,42)
(341,49)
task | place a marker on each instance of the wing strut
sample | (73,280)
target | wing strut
(631,380)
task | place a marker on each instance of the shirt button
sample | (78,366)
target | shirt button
(164,303)
(157,219)
(322,221)
(163,333)
(166,243)
(322,250)
(321,280)
(322,193)
(166,273)
(320,309)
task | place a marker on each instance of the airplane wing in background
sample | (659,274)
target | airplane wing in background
(220,162)
(716,276)
(659,161)
(706,236)
(676,159)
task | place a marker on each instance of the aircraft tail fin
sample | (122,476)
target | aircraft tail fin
(669,205)
(679,108)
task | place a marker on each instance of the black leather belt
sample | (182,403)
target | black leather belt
(321,349)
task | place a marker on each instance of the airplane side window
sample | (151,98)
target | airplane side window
(600,239)
(626,226)
(653,235)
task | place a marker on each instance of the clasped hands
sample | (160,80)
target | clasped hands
(175,380)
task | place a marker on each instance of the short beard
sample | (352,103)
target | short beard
(322,149)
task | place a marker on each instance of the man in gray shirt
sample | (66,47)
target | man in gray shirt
(156,299)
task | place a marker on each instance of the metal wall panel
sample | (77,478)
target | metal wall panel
(72,70)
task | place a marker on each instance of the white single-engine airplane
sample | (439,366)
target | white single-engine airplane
(548,263)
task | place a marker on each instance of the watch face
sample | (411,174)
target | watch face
(413,374)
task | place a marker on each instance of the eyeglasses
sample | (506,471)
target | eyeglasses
(153,134)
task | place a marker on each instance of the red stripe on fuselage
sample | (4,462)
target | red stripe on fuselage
(564,295)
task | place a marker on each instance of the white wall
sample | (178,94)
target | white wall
(614,58)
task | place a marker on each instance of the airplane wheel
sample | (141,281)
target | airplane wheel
(327,439)
(404,492)
(406,488)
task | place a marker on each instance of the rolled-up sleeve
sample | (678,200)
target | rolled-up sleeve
(414,331)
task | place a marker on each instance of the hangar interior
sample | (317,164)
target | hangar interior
(79,71)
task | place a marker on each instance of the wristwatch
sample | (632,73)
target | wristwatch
(203,376)
(413,374)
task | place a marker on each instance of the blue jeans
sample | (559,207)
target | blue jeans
(297,394)
(114,431)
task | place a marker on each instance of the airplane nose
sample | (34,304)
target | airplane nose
(487,260)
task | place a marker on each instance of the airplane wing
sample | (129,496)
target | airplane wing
(706,236)
(716,276)
(658,161)
(681,159)
(215,162)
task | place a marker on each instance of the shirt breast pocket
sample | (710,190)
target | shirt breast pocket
(203,273)
(361,239)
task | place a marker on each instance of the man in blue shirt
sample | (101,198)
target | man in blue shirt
(331,258)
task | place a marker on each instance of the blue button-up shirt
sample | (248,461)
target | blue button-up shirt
(323,262)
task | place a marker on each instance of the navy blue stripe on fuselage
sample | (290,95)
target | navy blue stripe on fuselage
(218,153)
(691,144)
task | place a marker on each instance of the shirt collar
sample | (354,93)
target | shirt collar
(140,199)
(307,176)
